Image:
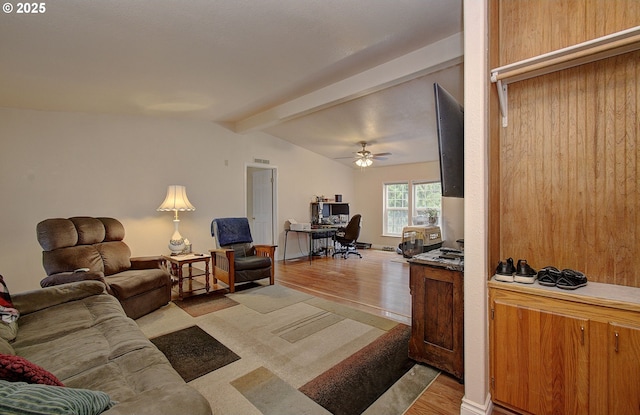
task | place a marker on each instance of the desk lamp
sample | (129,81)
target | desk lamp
(176,200)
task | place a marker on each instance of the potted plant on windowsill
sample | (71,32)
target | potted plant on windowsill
(432,216)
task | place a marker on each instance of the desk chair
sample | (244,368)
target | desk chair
(348,237)
(237,260)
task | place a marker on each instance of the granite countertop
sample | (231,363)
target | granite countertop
(434,259)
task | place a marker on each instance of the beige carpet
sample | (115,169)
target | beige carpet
(285,339)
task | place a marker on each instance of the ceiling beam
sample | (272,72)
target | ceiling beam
(437,56)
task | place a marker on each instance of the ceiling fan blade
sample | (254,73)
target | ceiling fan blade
(365,154)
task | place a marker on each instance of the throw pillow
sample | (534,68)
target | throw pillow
(18,369)
(8,313)
(20,398)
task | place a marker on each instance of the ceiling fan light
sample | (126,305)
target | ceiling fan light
(364,162)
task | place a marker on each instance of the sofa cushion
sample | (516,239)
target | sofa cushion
(6,348)
(90,230)
(242,250)
(35,300)
(56,233)
(68,277)
(124,286)
(114,230)
(79,336)
(115,256)
(71,259)
(18,369)
(20,398)
(8,331)
(252,262)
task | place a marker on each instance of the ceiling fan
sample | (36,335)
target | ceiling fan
(364,158)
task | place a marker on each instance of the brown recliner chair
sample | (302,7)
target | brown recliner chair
(82,248)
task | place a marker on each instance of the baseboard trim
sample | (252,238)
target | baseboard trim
(469,407)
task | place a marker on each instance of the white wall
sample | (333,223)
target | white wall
(55,164)
(369,202)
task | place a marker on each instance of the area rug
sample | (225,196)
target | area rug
(355,383)
(193,352)
(202,304)
(300,354)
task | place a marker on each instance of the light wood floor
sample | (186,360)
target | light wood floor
(377,283)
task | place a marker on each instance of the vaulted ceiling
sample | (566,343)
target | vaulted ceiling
(324,75)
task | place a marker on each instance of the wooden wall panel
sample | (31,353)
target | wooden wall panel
(569,159)
(533,27)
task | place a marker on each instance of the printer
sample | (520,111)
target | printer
(295,226)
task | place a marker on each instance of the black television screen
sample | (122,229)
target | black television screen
(450,126)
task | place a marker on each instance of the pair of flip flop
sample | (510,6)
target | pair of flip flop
(566,279)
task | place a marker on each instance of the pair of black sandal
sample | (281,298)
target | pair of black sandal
(566,279)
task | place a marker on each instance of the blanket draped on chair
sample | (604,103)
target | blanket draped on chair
(231,231)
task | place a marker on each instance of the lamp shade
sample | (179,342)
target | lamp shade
(176,200)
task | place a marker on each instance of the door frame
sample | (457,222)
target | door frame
(274,195)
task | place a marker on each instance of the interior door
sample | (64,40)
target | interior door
(262,205)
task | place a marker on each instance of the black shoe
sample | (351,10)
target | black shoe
(505,271)
(524,273)
(548,276)
(570,279)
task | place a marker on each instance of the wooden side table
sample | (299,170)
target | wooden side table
(179,261)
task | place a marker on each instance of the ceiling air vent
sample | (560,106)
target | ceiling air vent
(261,161)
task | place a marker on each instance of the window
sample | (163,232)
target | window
(396,207)
(427,197)
(403,201)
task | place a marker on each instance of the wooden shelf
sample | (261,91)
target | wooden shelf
(590,51)
(598,294)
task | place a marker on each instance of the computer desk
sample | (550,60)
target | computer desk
(329,231)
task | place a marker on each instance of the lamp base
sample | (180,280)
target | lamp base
(176,243)
(176,246)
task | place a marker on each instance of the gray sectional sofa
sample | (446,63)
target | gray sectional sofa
(80,334)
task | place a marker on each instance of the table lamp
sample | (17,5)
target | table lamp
(176,200)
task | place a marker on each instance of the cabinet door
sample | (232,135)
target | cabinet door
(539,360)
(437,333)
(624,369)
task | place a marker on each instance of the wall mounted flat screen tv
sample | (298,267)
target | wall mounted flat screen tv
(450,126)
